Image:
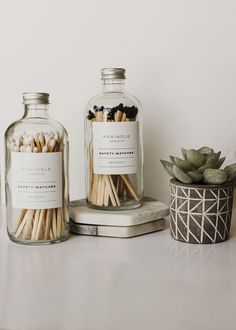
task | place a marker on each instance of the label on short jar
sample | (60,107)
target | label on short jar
(36,180)
(115,147)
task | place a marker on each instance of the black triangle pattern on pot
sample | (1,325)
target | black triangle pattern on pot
(200,215)
(210,207)
(195,207)
(223,206)
(216,231)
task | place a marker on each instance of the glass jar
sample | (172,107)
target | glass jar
(36,175)
(113,146)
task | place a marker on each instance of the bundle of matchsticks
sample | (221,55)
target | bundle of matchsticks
(39,224)
(110,190)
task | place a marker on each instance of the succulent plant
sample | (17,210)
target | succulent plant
(202,166)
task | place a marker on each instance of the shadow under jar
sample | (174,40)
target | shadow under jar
(36,175)
(114,146)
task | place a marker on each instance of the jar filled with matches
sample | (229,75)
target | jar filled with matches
(36,175)
(114,148)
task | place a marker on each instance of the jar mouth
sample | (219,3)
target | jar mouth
(35,98)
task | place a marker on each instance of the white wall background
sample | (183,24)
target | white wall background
(180,58)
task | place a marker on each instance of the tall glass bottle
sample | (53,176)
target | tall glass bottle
(113,145)
(36,175)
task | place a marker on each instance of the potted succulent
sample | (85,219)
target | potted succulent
(201,196)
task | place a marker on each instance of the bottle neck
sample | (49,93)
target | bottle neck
(36,111)
(113,86)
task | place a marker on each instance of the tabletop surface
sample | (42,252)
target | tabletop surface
(148,282)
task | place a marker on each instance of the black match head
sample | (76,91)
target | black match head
(133,112)
(90,115)
(128,112)
(111,115)
(114,110)
(120,107)
(125,109)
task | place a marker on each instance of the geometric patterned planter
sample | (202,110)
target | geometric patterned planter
(200,213)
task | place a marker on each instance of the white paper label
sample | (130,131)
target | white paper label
(115,147)
(36,180)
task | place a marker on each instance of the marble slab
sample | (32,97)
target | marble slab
(118,231)
(150,210)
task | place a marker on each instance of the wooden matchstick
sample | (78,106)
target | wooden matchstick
(22,224)
(35,225)
(20,217)
(40,222)
(114,190)
(130,186)
(54,223)
(28,225)
(110,192)
(48,223)
(59,216)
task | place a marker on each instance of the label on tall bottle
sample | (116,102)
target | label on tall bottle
(36,180)
(115,147)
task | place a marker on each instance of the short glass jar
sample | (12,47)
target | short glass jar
(114,146)
(36,175)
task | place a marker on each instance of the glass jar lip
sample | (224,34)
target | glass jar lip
(35,98)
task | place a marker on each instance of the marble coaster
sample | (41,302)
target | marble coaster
(150,210)
(117,231)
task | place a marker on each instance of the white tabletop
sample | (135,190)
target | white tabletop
(148,282)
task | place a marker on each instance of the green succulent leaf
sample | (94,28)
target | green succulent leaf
(218,154)
(215,176)
(169,170)
(195,176)
(231,170)
(206,150)
(184,165)
(195,158)
(172,158)
(202,168)
(181,176)
(168,166)
(212,160)
(220,162)
(184,153)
